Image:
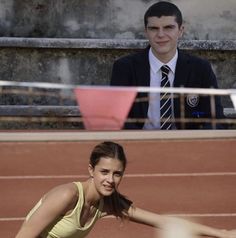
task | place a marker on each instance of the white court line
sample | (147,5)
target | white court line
(195,215)
(204,215)
(182,174)
(12,218)
(127,175)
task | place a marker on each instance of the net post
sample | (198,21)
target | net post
(182,110)
(31,93)
(1,90)
(213,111)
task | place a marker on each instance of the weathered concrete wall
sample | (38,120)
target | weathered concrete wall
(119,19)
(83,62)
(90,62)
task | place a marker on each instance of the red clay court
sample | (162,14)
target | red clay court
(185,173)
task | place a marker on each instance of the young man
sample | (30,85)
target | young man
(164,27)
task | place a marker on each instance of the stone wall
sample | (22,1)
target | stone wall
(110,19)
(89,61)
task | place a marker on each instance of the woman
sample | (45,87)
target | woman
(71,210)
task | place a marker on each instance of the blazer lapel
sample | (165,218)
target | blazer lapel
(143,68)
(143,77)
(182,74)
(182,70)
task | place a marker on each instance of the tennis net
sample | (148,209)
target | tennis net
(35,105)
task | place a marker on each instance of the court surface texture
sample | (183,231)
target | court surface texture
(187,174)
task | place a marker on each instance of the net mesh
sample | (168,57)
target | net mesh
(27,105)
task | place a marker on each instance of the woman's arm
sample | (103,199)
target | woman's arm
(164,222)
(54,204)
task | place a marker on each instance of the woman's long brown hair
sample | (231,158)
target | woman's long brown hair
(117,204)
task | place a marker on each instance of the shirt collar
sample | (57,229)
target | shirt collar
(156,64)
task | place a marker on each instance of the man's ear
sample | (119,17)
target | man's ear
(145,32)
(181,30)
(90,170)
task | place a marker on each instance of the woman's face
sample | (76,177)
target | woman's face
(107,175)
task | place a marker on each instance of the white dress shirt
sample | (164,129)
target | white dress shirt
(155,81)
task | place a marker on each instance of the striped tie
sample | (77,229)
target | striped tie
(165,101)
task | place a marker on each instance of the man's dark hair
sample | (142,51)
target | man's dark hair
(163,8)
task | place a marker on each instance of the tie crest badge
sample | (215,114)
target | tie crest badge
(192,100)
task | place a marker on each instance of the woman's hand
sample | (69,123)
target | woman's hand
(229,234)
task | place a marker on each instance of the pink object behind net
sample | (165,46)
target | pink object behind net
(104,108)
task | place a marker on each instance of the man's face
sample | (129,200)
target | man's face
(163,34)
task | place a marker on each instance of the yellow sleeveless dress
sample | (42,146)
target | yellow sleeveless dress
(69,226)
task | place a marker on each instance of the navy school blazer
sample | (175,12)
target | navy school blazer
(191,72)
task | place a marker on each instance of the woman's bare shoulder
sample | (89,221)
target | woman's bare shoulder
(66,192)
